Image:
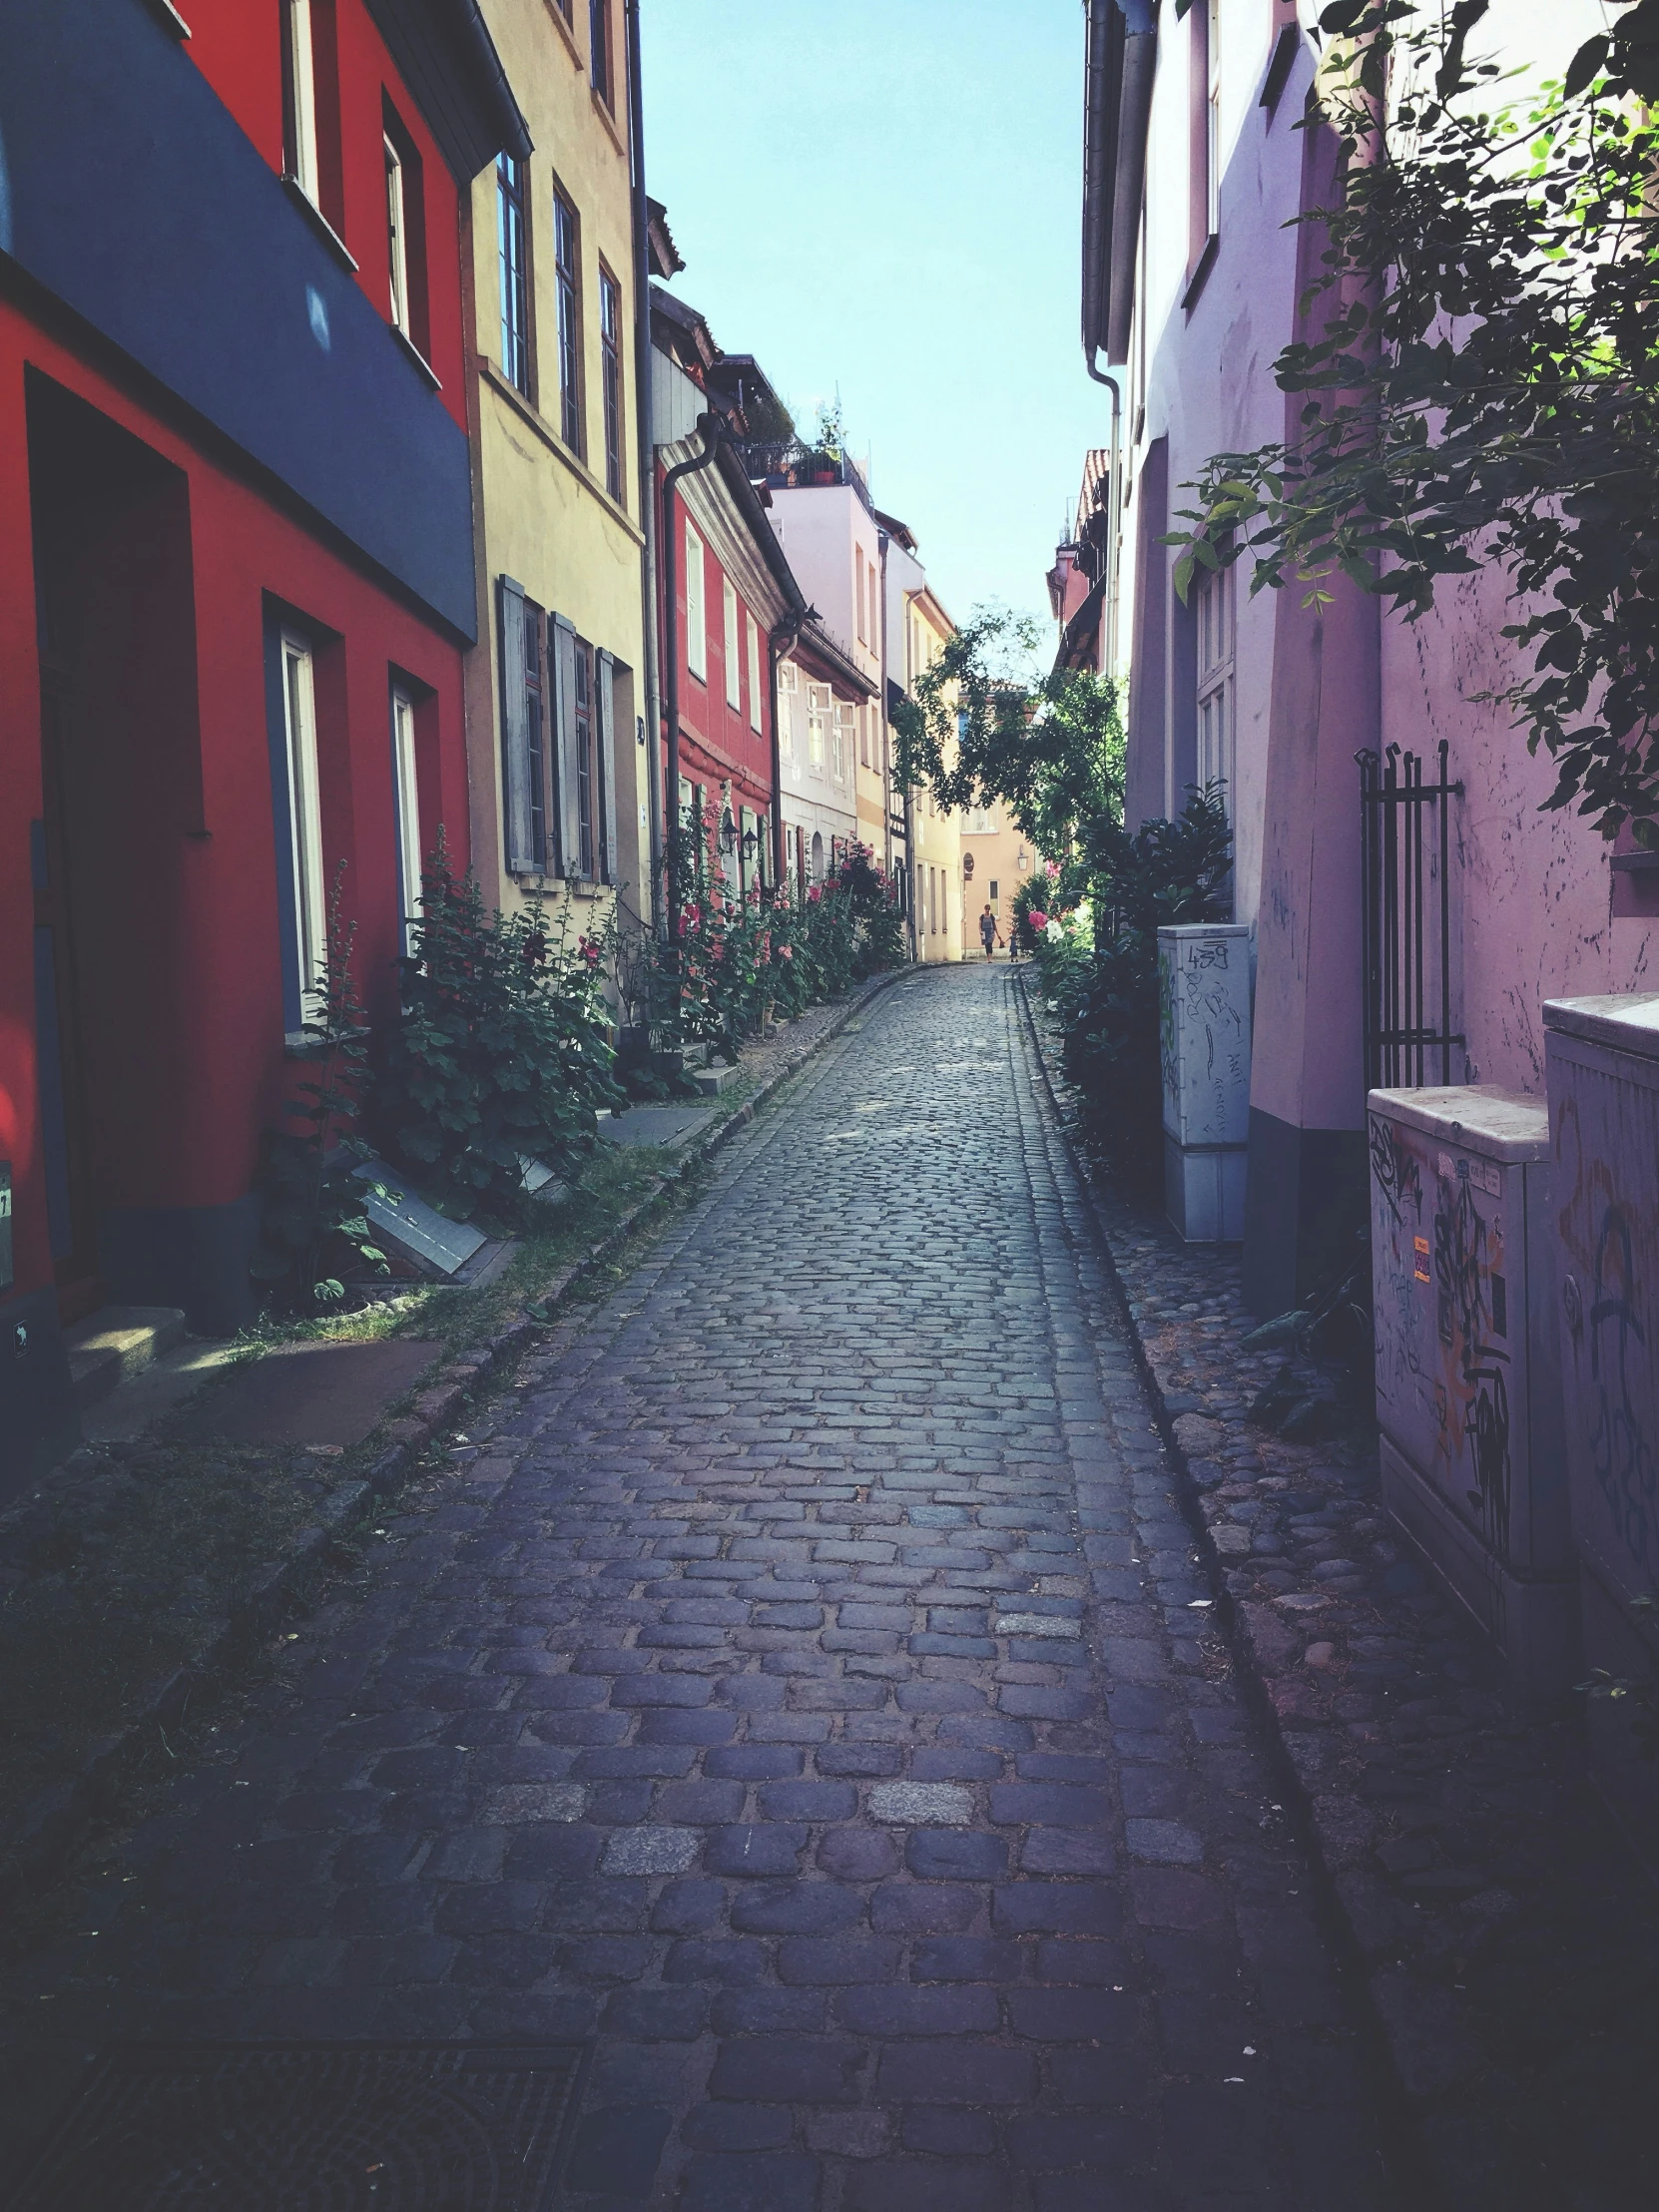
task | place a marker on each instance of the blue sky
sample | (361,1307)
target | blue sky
(884,194)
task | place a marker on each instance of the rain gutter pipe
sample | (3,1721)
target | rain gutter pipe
(643,410)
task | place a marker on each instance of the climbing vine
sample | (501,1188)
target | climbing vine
(1481,374)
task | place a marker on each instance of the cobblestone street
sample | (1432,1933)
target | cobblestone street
(801,1687)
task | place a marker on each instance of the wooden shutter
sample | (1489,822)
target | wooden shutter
(516,759)
(562,638)
(605,724)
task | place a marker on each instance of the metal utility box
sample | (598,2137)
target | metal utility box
(1601,1058)
(1204,1047)
(1468,1382)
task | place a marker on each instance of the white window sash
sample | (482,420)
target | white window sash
(397,237)
(302,68)
(408,812)
(734,679)
(754,674)
(697,635)
(311,898)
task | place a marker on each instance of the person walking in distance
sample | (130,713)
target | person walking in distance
(990,936)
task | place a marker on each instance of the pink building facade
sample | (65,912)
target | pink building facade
(1193,268)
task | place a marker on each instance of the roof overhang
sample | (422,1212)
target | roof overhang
(448,60)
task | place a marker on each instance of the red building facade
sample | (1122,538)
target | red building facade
(235,589)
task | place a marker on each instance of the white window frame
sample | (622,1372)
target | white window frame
(407,796)
(697,621)
(1213,607)
(302,70)
(734,644)
(817,722)
(754,715)
(397,218)
(1212,165)
(842,748)
(311,895)
(859,594)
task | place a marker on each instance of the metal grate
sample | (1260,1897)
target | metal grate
(1406,890)
(295,2127)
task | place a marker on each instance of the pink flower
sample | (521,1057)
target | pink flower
(785,952)
(1036,920)
(1053,870)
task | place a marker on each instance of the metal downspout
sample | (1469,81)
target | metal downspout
(710,426)
(1115,494)
(643,408)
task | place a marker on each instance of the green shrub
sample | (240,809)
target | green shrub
(503,1051)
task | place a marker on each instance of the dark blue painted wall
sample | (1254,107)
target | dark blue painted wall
(128,191)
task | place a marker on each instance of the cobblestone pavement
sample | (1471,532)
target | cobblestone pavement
(805,1692)
(1508,1933)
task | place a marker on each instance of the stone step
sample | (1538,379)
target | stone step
(712,1081)
(117,1341)
(684,1059)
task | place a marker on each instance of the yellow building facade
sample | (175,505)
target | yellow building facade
(556,699)
(996,860)
(936,831)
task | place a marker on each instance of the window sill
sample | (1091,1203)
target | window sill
(415,354)
(1201,271)
(320,223)
(566,31)
(601,108)
(171,19)
(1634,863)
(298,1045)
(529,414)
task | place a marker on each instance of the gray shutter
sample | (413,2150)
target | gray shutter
(562,638)
(605,710)
(515,730)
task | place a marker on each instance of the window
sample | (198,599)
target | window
(863,738)
(859,594)
(734,663)
(1203,140)
(981,822)
(697,632)
(513,263)
(570,321)
(872,578)
(299,70)
(843,750)
(397,237)
(788,684)
(609,355)
(523,730)
(1212,121)
(406,796)
(599,48)
(583,749)
(306,890)
(991,890)
(754,674)
(817,723)
(1212,612)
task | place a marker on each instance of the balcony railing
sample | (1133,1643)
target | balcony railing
(788,464)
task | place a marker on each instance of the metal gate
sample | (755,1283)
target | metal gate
(1405,891)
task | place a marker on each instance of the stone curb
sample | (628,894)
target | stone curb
(1393,2006)
(49,1826)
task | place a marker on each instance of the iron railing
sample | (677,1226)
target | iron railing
(1406,890)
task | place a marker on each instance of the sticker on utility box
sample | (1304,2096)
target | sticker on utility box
(1419,1259)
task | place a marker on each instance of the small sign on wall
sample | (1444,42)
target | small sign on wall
(5,1224)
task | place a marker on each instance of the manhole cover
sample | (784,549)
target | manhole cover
(291,2127)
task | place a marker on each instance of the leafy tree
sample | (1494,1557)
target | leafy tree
(1482,375)
(1050,748)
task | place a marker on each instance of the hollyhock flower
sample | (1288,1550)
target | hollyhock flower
(1052,868)
(785,952)
(1037,922)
